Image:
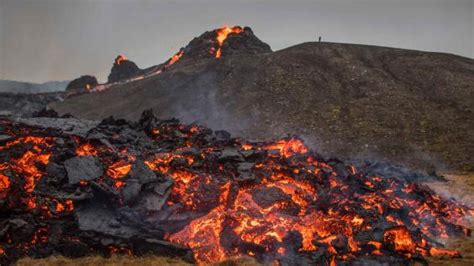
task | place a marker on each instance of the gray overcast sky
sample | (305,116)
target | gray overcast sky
(45,40)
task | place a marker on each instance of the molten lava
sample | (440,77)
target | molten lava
(4,185)
(26,169)
(400,238)
(120,58)
(118,170)
(175,58)
(245,215)
(4,182)
(288,148)
(225,197)
(221,36)
(442,252)
(86,150)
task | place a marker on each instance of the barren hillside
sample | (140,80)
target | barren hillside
(353,101)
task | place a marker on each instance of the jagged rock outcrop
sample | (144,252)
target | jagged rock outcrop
(81,85)
(123,69)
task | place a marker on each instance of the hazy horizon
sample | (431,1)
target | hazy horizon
(47,40)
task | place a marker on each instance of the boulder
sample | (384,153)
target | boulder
(83,168)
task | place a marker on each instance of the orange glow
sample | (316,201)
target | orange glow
(119,170)
(60,207)
(175,58)
(222,34)
(120,59)
(281,250)
(246,147)
(28,162)
(86,150)
(155,131)
(207,228)
(194,129)
(442,252)
(69,205)
(356,220)
(267,226)
(289,147)
(401,239)
(65,206)
(284,188)
(4,183)
(376,244)
(40,236)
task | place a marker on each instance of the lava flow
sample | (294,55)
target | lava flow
(203,191)
(289,201)
(175,58)
(221,36)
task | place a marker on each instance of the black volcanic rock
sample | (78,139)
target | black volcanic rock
(82,168)
(81,85)
(123,69)
(137,211)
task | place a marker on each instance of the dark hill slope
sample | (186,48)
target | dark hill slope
(347,100)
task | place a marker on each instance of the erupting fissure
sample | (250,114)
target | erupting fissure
(221,36)
(221,197)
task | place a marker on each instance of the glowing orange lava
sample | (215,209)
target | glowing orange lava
(442,252)
(288,147)
(119,170)
(400,238)
(4,184)
(120,59)
(175,58)
(232,198)
(86,150)
(222,34)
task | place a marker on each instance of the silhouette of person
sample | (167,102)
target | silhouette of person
(319,38)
